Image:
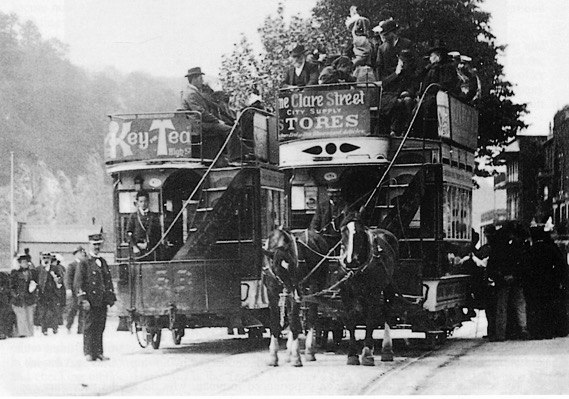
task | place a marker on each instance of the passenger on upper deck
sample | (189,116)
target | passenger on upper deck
(328,76)
(399,93)
(442,74)
(465,67)
(344,68)
(467,82)
(301,73)
(392,45)
(214,129)
(362,47)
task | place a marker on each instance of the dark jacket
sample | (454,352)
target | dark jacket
(387,60)
(93,282)
(548,273)
(20,280)
(70,275)
(144,228)
(48,282)
(442,73)
(308,76)
(327,219)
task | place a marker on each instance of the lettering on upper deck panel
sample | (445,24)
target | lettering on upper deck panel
(149,137)
(323,113)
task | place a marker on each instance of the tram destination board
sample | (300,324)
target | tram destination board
(150,136)
(313,113)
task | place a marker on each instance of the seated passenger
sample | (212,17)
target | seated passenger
(213,128)
(301,73)
(399,93)
(475,86)
(328,76)
(344,68)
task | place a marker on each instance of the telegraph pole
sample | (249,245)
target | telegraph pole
(12,226)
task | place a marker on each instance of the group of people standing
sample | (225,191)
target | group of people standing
(36,296)
(528,281)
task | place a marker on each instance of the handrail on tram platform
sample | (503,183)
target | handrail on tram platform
(204,176)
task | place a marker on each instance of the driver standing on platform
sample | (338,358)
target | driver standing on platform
(329,215)
(143,228)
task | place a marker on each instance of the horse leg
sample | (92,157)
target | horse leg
(310,343)
(275,330)
(295,330)
(367,351)
(387,344)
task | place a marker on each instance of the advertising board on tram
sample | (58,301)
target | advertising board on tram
(312,113)
(151,136)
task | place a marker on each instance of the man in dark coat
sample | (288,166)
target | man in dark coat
(390,48)
(301,73)
(329,215)
(94,289)
(506,270)
(214,130)
(546,286)
(143,228)
(73,307)
(51,299)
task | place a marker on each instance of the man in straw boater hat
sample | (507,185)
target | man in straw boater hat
(301,73)
(214,129)
(95,292)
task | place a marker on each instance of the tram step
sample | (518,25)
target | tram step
(215,189)
(204,209)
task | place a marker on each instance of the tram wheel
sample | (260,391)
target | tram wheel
(177,334)
(153,337)
(138,331)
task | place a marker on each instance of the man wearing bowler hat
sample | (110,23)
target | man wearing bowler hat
(214,129)
(329,214)
(301,73)
(94,289)
(391,46)
(73,307)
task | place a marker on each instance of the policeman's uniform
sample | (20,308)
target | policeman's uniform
(93,283)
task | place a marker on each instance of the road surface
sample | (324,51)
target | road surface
(210,362)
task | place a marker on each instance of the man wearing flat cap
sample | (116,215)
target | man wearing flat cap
(391,46)
(94,288)
(301,73)
(73,307)
(214,129)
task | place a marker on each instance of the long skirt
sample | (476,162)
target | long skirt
(24,320)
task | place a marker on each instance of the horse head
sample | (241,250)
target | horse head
(355,242)
(281,257)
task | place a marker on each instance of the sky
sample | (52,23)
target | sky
(167,37)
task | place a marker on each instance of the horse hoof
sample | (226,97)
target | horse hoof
(387,357)
(297,363)
(273,361)
(368,361)
(353,361)
(309,357)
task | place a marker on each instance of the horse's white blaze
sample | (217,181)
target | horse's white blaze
(351,226)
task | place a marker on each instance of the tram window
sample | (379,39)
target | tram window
(127,202)
(457,222)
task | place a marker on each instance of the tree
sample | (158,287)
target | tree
(460,24)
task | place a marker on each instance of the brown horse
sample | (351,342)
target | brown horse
(369,257)
(289,260)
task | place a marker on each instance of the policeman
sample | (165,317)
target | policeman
(95,292)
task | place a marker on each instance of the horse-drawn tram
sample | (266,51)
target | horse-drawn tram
(204,267)
(405,214)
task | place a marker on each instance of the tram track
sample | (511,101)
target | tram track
(389,381)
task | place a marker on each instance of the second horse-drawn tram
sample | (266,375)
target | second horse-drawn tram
(203,269)
(417,185)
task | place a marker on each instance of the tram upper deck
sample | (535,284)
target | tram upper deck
(337,125)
